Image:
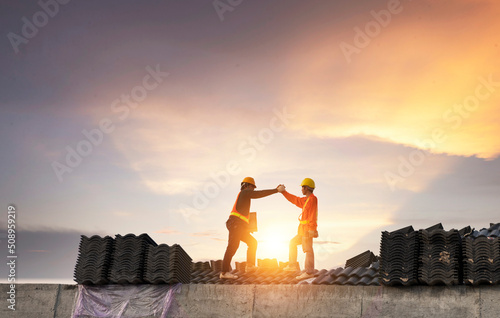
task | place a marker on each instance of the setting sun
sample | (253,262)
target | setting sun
(273,243)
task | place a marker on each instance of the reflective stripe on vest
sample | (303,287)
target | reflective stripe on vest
(236,213)
(240,216)
(305,221)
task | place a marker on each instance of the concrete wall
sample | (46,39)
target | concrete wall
(283,301)
(39,300)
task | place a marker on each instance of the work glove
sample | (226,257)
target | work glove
(280,188)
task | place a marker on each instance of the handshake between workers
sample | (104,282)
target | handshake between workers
(238,227)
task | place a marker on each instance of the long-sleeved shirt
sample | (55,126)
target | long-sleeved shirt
(309,216)
(242,203)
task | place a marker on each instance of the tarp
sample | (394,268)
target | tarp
(129,301)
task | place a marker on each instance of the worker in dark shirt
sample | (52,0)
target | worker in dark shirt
(237,224)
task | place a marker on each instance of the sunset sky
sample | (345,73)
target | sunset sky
(144,117)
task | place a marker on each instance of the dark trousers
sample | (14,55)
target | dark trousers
(307,247)
(238,231)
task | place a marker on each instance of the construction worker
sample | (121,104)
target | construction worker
(307,227)
(237,224)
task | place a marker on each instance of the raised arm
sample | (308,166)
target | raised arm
(256,194)
(294,199)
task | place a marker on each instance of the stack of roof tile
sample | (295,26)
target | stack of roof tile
(181,262)
(466,231)
(127,266)
(132,259)
(364,259)
(399,253)
(167,265)
(481,251)
(94,258)
(440,259)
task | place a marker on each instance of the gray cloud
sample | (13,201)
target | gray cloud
(44,255)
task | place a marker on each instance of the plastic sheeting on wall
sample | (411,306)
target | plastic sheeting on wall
(130,301)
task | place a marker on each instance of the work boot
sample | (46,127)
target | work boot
(228,276)
(304,275)
(250,268)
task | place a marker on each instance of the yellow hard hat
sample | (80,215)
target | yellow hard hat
(249,180)
(308,182)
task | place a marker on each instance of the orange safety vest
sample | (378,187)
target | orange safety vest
(236,213)
(305,221)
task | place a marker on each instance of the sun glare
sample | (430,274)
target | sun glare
(273,244)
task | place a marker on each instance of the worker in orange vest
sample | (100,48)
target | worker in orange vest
(237,224)
(307,227)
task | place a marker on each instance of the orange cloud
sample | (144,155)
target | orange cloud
(413,78)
